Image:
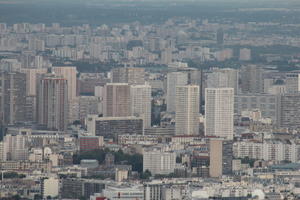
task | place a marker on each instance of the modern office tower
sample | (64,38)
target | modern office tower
(174,79)
(266,103)
(251,79)
(245,54)
(13,98)
(111,127)
(292,83)
(116,102)
(289,111)
(129,75)
(158,162)
(141,103)
(53,102)
(187,110)
(221,154)
(219,108)
(220,36)
(68,73)
(223,78)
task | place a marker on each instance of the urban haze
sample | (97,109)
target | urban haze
(150,99)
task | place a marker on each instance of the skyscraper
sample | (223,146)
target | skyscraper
(129,75)
(116,102)
(141,103)
(68,73)
(174,79)
(219,110)
(53,102)
(187,110)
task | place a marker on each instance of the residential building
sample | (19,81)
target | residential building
(219,103)
(187,110)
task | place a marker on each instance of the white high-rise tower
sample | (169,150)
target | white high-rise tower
(174,79)
(187,110)
(219,110)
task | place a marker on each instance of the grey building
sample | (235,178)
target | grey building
(251,78)
(13,98)
(289,112)
(78,188)
(111,127)
(267,104)
(128,75)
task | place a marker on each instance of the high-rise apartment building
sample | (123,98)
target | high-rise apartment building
(13,97)
(187,110)
(251,79)
(219,110)
(195,77)
(116,102)
(141,103)
(266,103)
(289,111)
(174,79)
(53,102)
(68,73)
(223,78)
(32,80)
(129,75)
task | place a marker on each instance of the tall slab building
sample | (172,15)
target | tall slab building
(174,79)
(187,110)
(53,102)
(219,110)
(68,73)
(141,103)
(13,98)
(116,101)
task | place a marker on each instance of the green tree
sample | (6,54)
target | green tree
(145,175)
